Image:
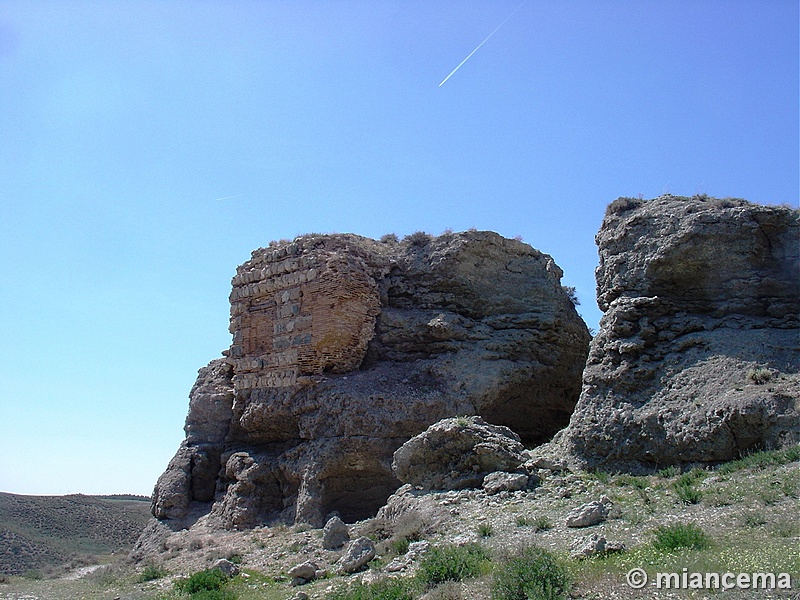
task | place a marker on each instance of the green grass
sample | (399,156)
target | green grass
(601,476)
(532,574)
(539,523)
(688,494)
(485,530)
(542,523)
(680,535)
(685,486)
(151,572)
(383,589)
(452,563)
(761,459)
(210,580)
(669,472)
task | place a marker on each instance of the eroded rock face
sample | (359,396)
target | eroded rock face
(344,348)
(697,294)
(457,453)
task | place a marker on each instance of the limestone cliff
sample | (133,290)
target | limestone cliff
(344,348)
(697,356)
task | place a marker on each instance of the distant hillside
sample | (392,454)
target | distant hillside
(37,532)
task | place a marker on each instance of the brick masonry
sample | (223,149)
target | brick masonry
(298,312)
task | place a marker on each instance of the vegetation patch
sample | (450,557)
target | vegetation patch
(680,535)
(383,589)
(206,585)
(151,572)
(452,563)
(532,574)
(761,460)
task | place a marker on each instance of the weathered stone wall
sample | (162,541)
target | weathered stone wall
(295,315)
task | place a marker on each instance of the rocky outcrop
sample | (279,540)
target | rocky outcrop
(698,351)
(344,348)
(457,453)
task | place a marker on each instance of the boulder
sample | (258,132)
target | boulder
(500,481)
(335,534)
(589,514)
(457,453)
(226,567)
(593,545)
(344,348)
(697,356)
(356,556)
(588,546)
(306,571)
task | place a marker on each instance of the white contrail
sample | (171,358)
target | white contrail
(227,197)
(479,45)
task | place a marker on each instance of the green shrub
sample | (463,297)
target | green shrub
(399,546)
(34,574)
(452,563)
(533,574)
(485,530)
(542,523)
(640,483)
(208,580)
(572,294)
(680,535)
(383,589)
(602,476)
(669,472)
(389,238)
(623,204)
(684,486)
(688,494)
(753,519)
(759,376)
(418,238)
(214,595)
(151,572)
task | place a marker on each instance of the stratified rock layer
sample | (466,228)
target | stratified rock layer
(344,348)
(701,299)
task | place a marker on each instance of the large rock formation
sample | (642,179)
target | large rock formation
(698,352)
(344,348)
(457,453)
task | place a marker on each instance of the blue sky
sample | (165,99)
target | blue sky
(147,147)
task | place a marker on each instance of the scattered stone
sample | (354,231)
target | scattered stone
(300,596)
(357,554)
(589,514)
(227,567)
(414,552)
(588,546)
(593,545)
(614,547)
(306,570)
(500,481)
(335,534)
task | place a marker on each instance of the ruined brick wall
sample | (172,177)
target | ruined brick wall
(298,311)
